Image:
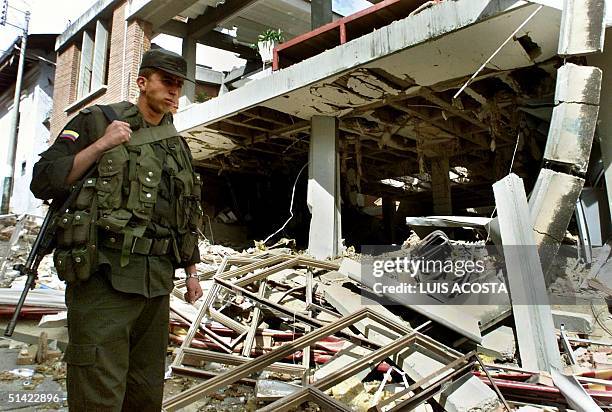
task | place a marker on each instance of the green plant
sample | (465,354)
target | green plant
(201,97)
(271,35)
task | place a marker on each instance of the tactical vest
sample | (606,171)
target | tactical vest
(120,206)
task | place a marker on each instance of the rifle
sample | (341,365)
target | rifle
(42,246)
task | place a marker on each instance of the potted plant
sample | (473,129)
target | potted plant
(266,42)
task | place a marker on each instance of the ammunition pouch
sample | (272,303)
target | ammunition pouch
(76,257)
(62,260)
(76,264)
(85,197)
(111,170)
(64,230)
(145,176)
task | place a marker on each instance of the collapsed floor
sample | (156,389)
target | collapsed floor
(420,152)
(280,330)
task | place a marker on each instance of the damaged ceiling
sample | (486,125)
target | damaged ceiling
(397,111)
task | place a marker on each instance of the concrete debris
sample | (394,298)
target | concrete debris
(531,310)
(575,394)
(271,390)
(573,322)
(463,311)
(303,295)
(499,344)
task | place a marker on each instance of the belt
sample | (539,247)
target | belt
(140,245)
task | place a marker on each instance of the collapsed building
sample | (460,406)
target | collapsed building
(369,101)
(402,116)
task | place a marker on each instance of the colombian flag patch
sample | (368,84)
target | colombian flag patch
(69,135)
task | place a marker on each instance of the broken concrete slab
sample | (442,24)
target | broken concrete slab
(537,342)
(57,320)
(578,84)
(573,321)
(570,136)
(463,395)
(347,302)
(582,27)
(27,331)
(551,206)
(450,316)
(499,343)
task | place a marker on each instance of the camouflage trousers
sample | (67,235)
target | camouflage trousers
(117,348)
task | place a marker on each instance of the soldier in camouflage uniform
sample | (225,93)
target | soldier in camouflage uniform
(134,222)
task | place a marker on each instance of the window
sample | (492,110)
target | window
(94,60)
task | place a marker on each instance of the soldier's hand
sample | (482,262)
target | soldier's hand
(194,290)
(116,133)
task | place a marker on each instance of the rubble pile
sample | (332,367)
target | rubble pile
(277,330)
(307,333)
(17,234)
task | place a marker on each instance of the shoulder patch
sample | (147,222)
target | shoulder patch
(67,134)
(86,111)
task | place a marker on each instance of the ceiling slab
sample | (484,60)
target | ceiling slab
(447,41)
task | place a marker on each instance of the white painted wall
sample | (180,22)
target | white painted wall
(33,136)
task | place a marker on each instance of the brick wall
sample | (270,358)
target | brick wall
(123,64)
(65,86)
(116,56)
(139,41)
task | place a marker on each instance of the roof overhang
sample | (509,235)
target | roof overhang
(38,44)
(447,41)
(99,8)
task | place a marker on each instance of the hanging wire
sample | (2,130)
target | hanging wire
(290,207)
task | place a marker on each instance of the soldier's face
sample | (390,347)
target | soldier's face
(161,91)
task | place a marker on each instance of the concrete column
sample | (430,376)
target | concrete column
(324,188)
(604,62)
(441,186)
(388,210)
(320,13)
(189,53)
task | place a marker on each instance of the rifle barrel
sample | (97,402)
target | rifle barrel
(10,328)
